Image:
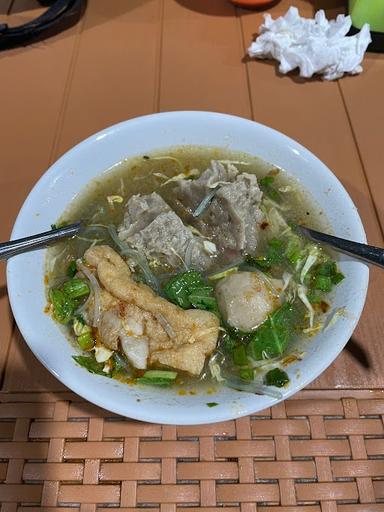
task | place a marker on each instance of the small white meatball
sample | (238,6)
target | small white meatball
(245,300)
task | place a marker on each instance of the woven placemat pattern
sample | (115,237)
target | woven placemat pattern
(309,454)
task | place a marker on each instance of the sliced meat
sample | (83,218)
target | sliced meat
(151,226)
(183,329)
(245,300)
(140,212)
(232,219)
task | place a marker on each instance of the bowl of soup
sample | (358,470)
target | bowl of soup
(189,296)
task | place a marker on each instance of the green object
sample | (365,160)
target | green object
(212,404)
(274,256)
(240,355)
(322,283)
(266,185)
(294,250)
(326,276)
(90,364)
(63,306)
(277,378)
(247,374)
(367,11)
(227,343)
(72,269)
(75,288)
(189,289)
(160,378)
(272,337)
(337,278)
(160,374)
(85,341)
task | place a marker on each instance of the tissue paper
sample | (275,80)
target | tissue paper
(315,46)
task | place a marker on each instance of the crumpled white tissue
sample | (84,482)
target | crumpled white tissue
(315,46)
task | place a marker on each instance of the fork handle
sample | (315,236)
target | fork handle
(362,252)
(30,243)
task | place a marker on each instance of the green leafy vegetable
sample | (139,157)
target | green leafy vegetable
(272,337)
(322,283)
(63,306)
(276,377)
(75,288)
(275,256)
(120,366)
(247,374)
(60,225)
(212,404)
(266,185)
(86,341)
(72,269)
(201,298)
(90,364)
(227,343)
(160,378)
(337,278)
(240,355)
(189,289)
(294,249)
(326,276)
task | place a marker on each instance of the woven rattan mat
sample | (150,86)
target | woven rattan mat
(321,451)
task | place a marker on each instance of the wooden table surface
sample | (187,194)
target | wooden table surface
(127,58)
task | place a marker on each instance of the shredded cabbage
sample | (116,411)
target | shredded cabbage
(302,293)
(287,277)
(312,258)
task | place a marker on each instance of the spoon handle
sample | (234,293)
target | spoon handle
(363,252)
(8,249)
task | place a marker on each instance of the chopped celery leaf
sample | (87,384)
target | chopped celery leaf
(277,378)
(246,374)
(90,364)
(160,378)
(189,289)
(63,306)
(72,269)
(75,288)
(266,185)
(240,355)
(274,256)
(272,337)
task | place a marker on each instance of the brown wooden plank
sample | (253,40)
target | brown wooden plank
(364,100)
(115,77)
(313,113)
(5,5)
(32,85)
(201,65)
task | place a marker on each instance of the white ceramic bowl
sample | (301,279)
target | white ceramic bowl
(62,182)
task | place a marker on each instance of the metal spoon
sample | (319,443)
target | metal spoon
(363,252)
(30,243)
